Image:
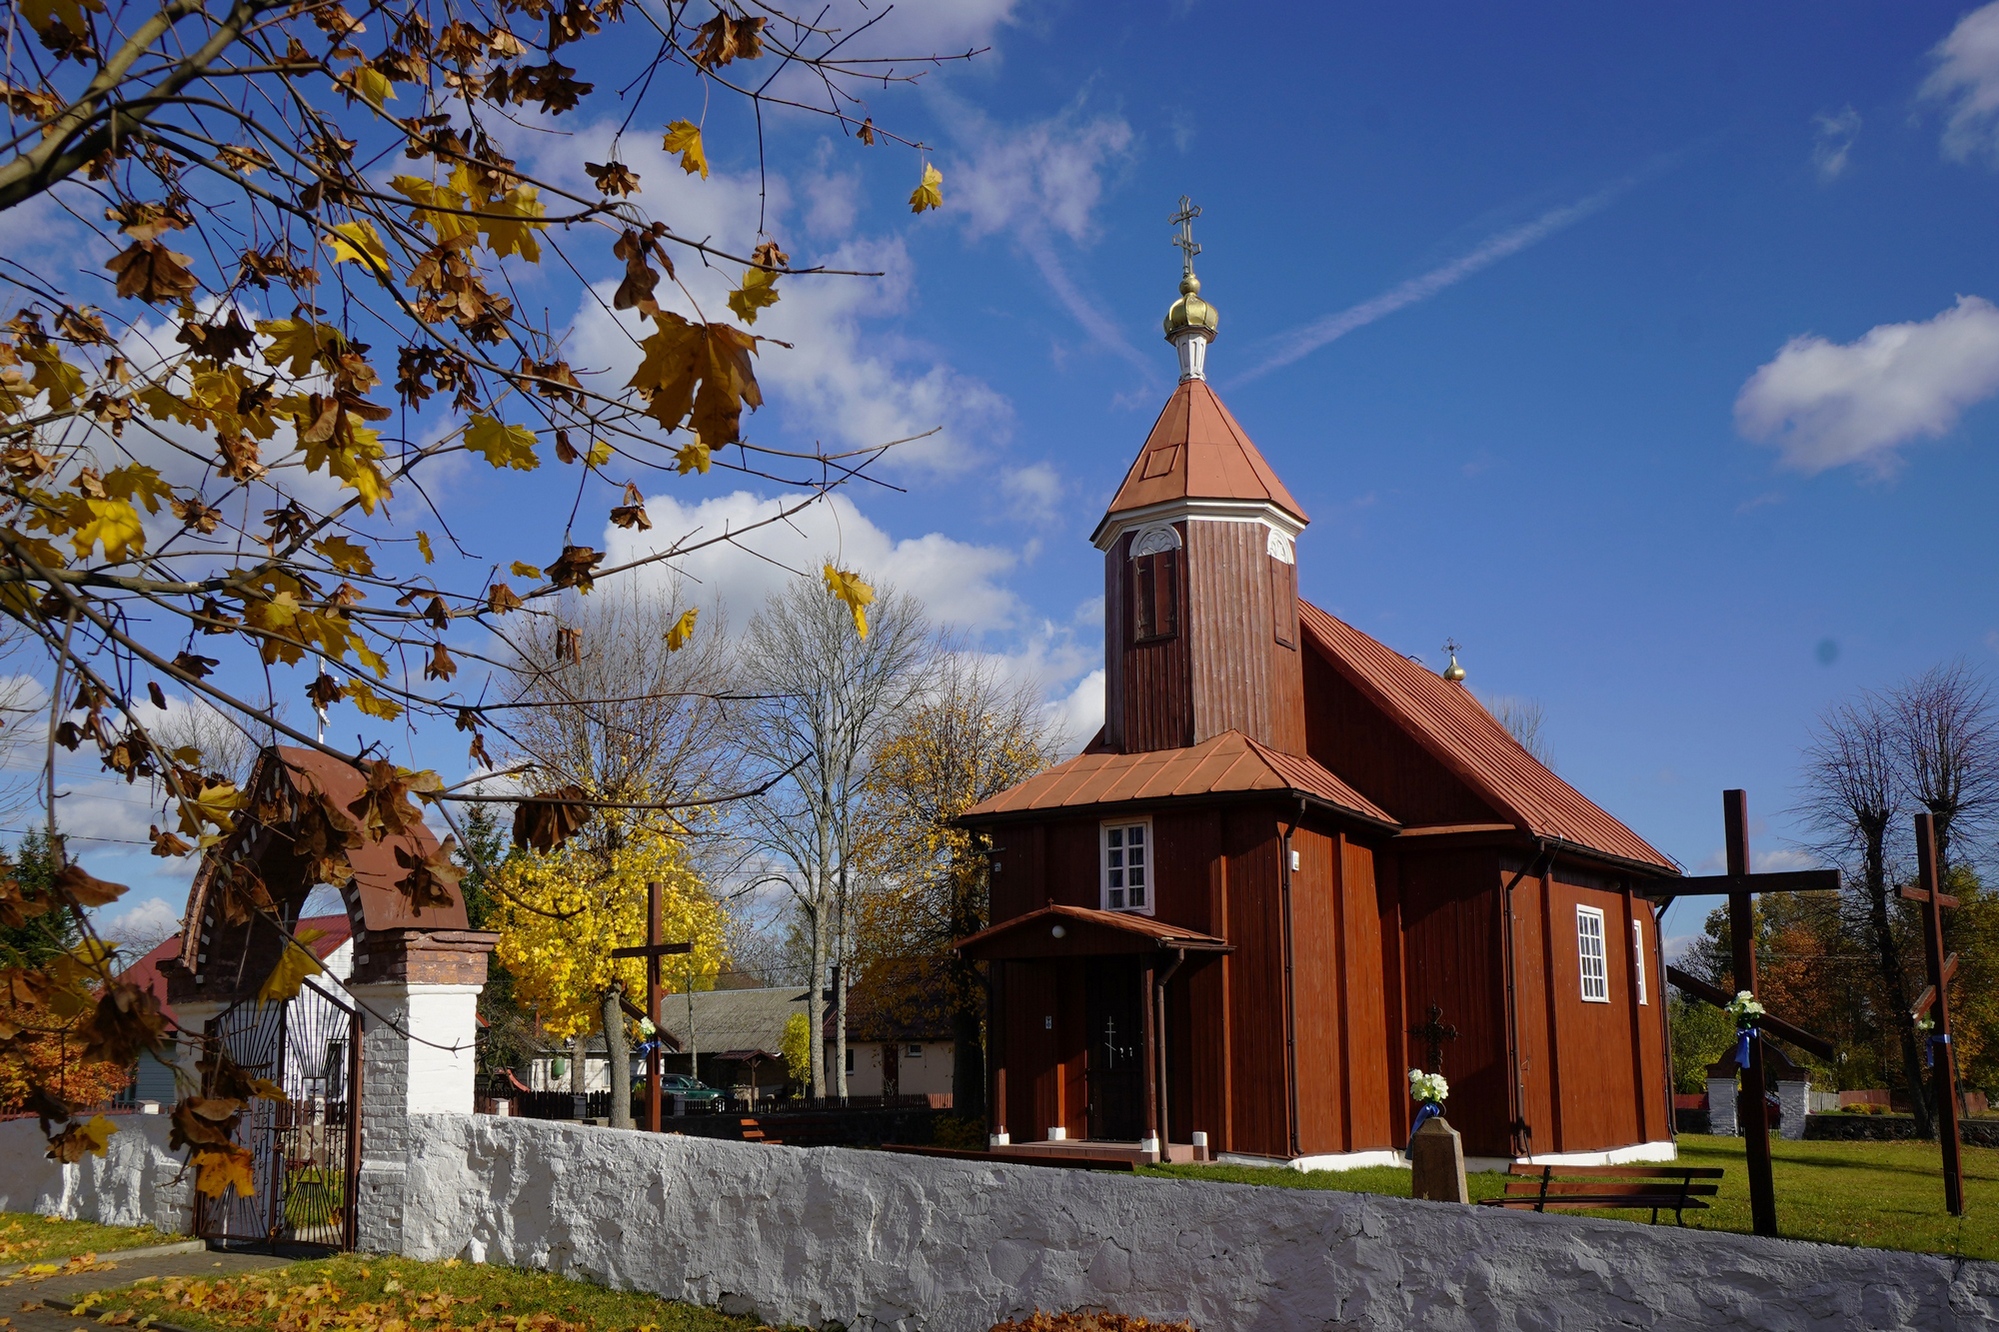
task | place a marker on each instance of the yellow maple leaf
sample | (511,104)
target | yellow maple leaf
(849,588)
(345,555)
(358,242)
(423,547)
(300,341)
(682,631)
(503,445)
(98,1131)
(600,453)
(115,523)
(220,1170)
(684,137)
(371,85)
(215,803)
(522,569)
(136,481)
(423,192)
(42,15)
(930,194)
(509,223)
(294,964)
(698,375)
(692,457)
(759,291)
(371,702)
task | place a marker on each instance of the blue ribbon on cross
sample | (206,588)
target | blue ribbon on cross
(1930,1048)
(1429,1111)
(1742,1039)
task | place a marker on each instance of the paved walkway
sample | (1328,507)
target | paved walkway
(21,1290)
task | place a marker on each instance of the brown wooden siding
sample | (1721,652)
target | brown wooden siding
(1116,637)
(1369,1085)
(1157,703)
(1534,1066)
(1229,628)
(1597,1092)
(1286,666)
(1452,949)
(1349,735)
(1317,1001)
(1259,1103)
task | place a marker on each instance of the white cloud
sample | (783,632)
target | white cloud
(1079,715)
(1966,79)
(1833,144)
(1033,493)
(954,580)
(148,922)
(1040,182)
(1826,404)
(849,380)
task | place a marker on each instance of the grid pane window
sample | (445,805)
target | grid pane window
(1589,945)
(1125,866)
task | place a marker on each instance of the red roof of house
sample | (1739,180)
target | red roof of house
(1197,451)
(1095,932)
(1449,722)
(1230,762)
(146,971)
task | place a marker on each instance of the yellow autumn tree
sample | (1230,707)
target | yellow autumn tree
(561,913)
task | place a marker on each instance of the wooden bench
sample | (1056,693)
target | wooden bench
(1662,1188)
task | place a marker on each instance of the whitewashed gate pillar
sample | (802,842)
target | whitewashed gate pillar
(418,991)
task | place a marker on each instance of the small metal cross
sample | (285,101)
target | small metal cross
(1433,1034)
(1451,645)
(1184,219)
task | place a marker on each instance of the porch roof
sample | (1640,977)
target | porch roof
(1227,764)
(1072,931)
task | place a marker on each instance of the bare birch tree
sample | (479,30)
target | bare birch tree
(826,697)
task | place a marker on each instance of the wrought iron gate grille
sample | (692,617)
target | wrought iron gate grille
(306,1149)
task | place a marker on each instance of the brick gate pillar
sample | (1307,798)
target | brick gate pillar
(418,991)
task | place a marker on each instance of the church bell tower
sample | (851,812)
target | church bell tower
(1200,566)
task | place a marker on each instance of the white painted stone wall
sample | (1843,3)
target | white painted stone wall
(1794,1099)
(876,1241)
(1721,1108)
(135,1182)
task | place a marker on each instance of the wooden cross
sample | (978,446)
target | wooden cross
(1934,900)
(1434,1033)
(1741,886)
(1184,219)
(652,951)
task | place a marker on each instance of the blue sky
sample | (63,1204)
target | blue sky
(1662,378)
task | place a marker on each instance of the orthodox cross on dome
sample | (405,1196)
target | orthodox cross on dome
(1434,1033)
(1189,247)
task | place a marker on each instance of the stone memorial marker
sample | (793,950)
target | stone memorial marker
(1437,1163)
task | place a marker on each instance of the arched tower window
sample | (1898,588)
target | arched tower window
(1155,583)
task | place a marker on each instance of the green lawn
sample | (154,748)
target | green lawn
(28,1238)
(354,1291)
(1883,1194)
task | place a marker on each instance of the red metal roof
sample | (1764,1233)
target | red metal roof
(1454,726)
(1197,451)
(1230,762)
(1124,926)
(145,973)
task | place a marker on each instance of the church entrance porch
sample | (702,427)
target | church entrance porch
(1115,1061)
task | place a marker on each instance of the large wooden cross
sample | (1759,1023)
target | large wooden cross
(1943,1057)
(652,951)
(1741,886)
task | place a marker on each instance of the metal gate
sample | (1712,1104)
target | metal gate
(307,1148)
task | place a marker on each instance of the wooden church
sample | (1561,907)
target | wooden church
(1296,864)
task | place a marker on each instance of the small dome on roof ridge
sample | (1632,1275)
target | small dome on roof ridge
(1190,311)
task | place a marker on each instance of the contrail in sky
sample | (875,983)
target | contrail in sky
(1301,342)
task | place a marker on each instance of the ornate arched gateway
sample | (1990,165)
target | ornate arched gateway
(243,910)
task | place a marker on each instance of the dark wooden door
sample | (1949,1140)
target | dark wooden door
(1116,1060)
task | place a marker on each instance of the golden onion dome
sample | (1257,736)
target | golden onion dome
(1190,311)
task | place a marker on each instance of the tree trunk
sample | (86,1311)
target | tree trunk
(619,1051)
(841,980)
(1889,963)
(968,1056)
(579,1086)
(815,997)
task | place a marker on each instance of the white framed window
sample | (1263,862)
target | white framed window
(914,1051)
(1127,866)
(1638,956)
(1589,946)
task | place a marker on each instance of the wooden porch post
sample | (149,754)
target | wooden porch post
(1151,1053)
